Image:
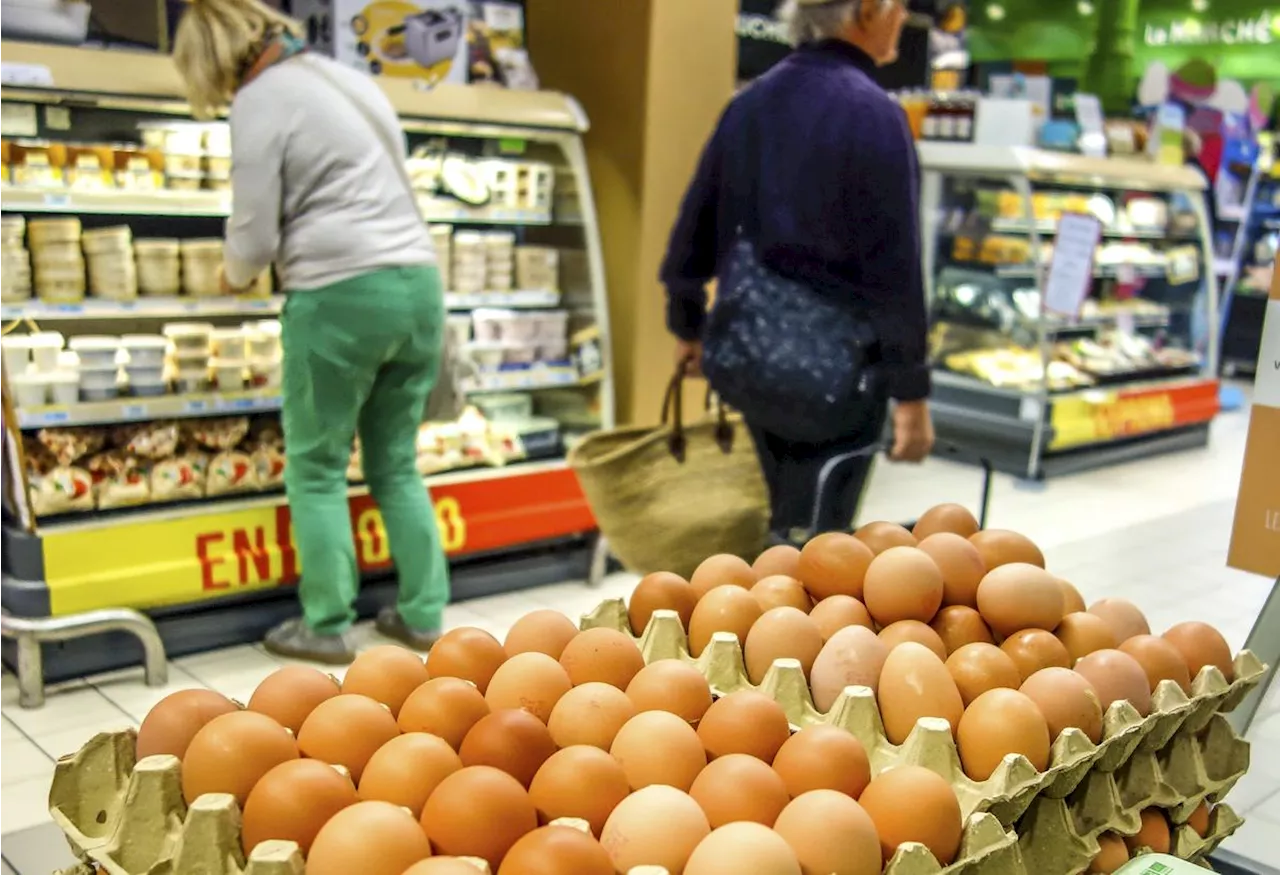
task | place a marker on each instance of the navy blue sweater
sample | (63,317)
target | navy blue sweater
(815,165)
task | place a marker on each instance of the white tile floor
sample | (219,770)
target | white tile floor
(1154,531)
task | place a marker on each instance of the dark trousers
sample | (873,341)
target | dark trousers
(792,471)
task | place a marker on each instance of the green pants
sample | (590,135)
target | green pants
(360,356)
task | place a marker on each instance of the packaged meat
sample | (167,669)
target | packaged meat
(219,434)
(179,478)
(231,471)
(62,489)
(148,440)
(69,445)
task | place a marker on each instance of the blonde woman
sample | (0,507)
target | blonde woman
(319,190)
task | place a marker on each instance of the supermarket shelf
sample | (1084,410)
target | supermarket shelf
(1028,271)
(115,202)
(143,308)
(973,384)
(518,299)
(435,210)
(147,409)
(1017,226)
(531,380)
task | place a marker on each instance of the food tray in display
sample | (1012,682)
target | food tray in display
(518,299)
(135,409)
(143,307)
(538,377)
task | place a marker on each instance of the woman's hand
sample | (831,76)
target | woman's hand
(689,357)
(912,431)
(225,285)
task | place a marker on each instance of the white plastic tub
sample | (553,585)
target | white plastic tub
(64,386)
(45,346)
(266,372)
(145,350)
(30,389)
(193,380)
(487,355)
(95,351)
(96,378)
(228,374)
(17,354)
(460,326)
(188,336)
(228,343)
(145,375)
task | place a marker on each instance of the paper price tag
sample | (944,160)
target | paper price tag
(1071,268)
(1125,323)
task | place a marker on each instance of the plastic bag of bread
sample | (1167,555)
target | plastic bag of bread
(231,471)
(69,445)
(220,434)
(181,477)
(266,431)
(61,489)
(119,479)
(147,440)
(268,463)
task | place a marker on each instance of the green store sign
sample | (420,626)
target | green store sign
(1260,30)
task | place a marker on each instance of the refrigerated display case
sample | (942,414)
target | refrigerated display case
(1132,371)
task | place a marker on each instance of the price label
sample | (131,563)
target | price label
(52,417)
(1071,270)
(196,407)
(134,411)
(53,199)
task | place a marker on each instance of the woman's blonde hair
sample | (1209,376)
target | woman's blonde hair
(216,42)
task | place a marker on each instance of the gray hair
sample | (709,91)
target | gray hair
(808,21)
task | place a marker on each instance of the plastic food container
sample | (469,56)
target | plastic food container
(98,378)
(45,346)
(184,182)
(107,240)
(145,350)
(194,380)
(552,325)
(218,166)
(41,232)
(228,343)
(189,337)
(183,164)
(553,350)
(266,372)
(65,254)
(17,354)
(512,407)
(148,390)
(64,387)
(159,268)
(96,352)
(521,355)
(228,374)
(487,355)
(145,377)
(31,389)
(461,328)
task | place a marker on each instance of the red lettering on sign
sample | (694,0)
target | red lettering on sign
(208,561)
(255,552)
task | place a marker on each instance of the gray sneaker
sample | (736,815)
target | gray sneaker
(293,639)
(391,625)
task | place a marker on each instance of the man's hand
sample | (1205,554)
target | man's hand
(689,357)
(912,431)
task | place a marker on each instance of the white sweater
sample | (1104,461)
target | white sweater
(313,187)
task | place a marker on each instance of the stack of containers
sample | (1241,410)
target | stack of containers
(537,267)
(191,351)
(99,368)
(469,263)
(217,157)
(109,253)
(183,146)
(36,372)
(262,341)
(502,177)
(552,335)
(201,260)
(59,264)
(229,358)
(158,266)
(442,241)
(145,363)
(500,261)
(535,186)
(15,261)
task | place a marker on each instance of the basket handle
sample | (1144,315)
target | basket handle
(673,414)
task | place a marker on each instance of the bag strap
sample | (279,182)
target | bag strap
(673,413)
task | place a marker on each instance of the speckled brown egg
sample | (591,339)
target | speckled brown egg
(739,787)
(478,811)
(781,633)
(406,770)
(779,591)
(671,685)
(533,682)
(834,563)
(657,747)
(903,583)
(1153,832)
(830,834)
(1067,700)
(722,570)
(1002,547)
(661,591)
(1112,854)
(1034,649)
(293,801)
(514,741)
(543,631)
(232,752)
(655,826)
(997,723)
(953,519)
(1082,633)
(447,707)
(1116,676)
(961,566)
(1160,660)
(169,727)
(724,609)
(1072,601)
(556,850)
(346,731)
(468,653)
(288,696)
(913,630)
(1200,645)
(590,714)
(854,656)
(977,668)
(781,559)
(345,843)
(582,782)
(1016,596)
(882,536)
(743,847)
(1122,616)
(913,804)
(604,656)
(838,611)
(744,722)
(823,757)
(959,625)
(915,683)
(386,674)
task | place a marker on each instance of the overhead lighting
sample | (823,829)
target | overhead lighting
(1200,5)
(995,12)
(1084,7)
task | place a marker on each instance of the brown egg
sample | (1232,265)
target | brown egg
(823,757)
(544,631)
(1112,854)
(657,747)
(1200,645)
(347,731)
(882,536)
(386,674)
(1123,617)
(779,592)
(1001,547)
(590,714)
(447,707)
(1034,649)
(1152,834)
(1072,601)
(406,770)
(533,682)
(556,850)
(739,787)
(443,866)
(605,656)
(977,668)
(743,847)
(722,570)
(830,834)
(1117,676)
(997,723)
(1160,660)
(953,519)
(169,727)
(476,812)
(724,609)
(834,564)
(961,566)
(853,657)
(468,653)
(655,826)
(514,741)
(1018,596)
(1067,700)
(744,722)
(661,591)
(288,696)
(1199,819)
(579,781)
(781,633)
(782,559)
(1083,633)
(671,685)
(913,804)
(913,630)
(903,583)
(232,752)
(293,801)
(838,611)
(915,683)
(345,842)
(959,625)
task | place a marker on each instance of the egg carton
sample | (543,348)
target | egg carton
(1016,783)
